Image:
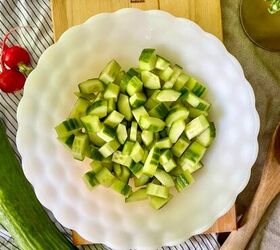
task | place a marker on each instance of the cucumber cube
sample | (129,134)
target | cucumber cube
(196,126)
(91,86)
(147,59)
(109,148)
(150,80)
(110,72)
(112,91)
(134,85)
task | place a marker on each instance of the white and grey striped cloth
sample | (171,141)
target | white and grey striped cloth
(36,13)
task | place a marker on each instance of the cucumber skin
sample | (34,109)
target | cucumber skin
(20,211)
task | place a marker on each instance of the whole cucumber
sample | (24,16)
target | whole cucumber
(20,211)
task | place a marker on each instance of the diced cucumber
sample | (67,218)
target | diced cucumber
(165,74)
(151,123)
(147,59)
(176,129)
(150,80)
(197,88)
(138,182)
(107,163)
(192,155)
(206,138)
(137,152)
(137,100)
(80,108)
(168,95)
(183,180)
(195,101)
(127,147)
(121,133)
(94,154)
(91,86)
(98,108)
(133,131)
(192,169)
(112,91)
(121,188)
(175,114)
(137,195)
(164,178)
(196,126)
(151,103)
(67,141)
(90,180)
(151,162)
(176,72)
(119,77)
(125,174)
(114,119)
(137,113)
(163,143)
(147,137)
(169,165)
(96,140)
(96,166)
(80,145)
(109,148)
(107,133)
(68,127)
(133,72)
(157,190)
(165,156)
(176,171)
(110,72)
(88,97)
(161,63)
(134,85)
(160,110)
(99,96)
(117,168)
(181,81)
(122,159)
(91,123)
(157,202)
(136,169)
(196,112)
(180,146)
(146,152)
(124,82)
(124,107)
(105,177)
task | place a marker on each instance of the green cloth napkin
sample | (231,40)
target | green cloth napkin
(262,70)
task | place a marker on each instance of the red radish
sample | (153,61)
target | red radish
(17,59)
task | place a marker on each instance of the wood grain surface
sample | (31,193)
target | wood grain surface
(206,13)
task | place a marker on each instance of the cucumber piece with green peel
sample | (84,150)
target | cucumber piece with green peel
(107,133)
(163,143)
(91,123)
(119,77)
(197,88)
(166,74)
(114,119)
(157,190)
(164,178)
(195,101)
(161,63)
(194,168)
(136,169)
(67,141)
(79,146)
(134,86)
(68,127)
(111,105)
(168,95)
(152,124)
(80,108)
(147,59)
(112,91)
(90,180)
(93,153)
(121,133)
(181,81)
(158,202)
(96,166)
(109,148)
(96,140)
(176,72)
(98,108)
(139,112)
(196,126)
(183,180)
(133,131)
(137,100)
(105,177)
(207,137)
(150,80)
(167,161)
(151,162)
(91,86)
(192,155)
(180,113)
(137,195)
(124,107)
(88,97)
(138,182)
(123,83)
(137,152)
(147,137)
(125,174)
(122,159)
(196,112)
(121,187)
(160,110)
(110,72)
(176,129)
(127,148)
(180,146)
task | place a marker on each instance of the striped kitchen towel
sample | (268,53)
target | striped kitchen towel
(36,39)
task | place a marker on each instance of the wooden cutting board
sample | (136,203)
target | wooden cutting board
(206,13)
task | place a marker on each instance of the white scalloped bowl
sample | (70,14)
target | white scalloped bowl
(101,215)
